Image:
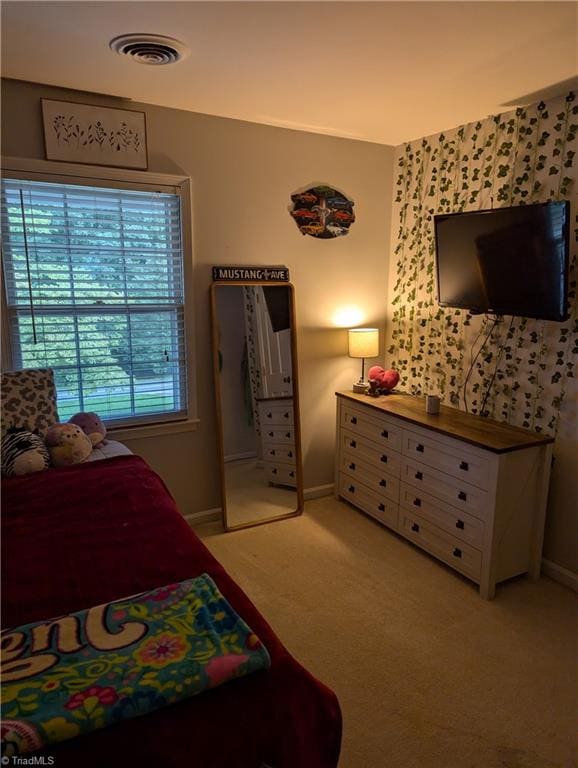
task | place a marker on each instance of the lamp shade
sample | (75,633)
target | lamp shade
(363,342)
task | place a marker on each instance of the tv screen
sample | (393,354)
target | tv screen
(506,261)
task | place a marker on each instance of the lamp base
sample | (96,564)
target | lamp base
(360,387)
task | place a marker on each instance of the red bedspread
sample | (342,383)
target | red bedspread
(81,536)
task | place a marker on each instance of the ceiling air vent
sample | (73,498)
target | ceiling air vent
(150,49)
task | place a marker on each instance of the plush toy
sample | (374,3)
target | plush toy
(23,452)
(67,444)
(91,424)
(382,381)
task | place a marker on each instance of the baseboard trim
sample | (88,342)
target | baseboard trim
(204,516)
(240,456)
(317,491)
(560,574)
(214,515)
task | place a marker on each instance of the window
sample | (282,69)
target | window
(94,290)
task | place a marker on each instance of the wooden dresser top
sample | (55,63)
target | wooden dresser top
(485,433)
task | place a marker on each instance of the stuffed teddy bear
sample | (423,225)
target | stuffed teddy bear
(23,452)
(381,381)
(91,424)
(67,444)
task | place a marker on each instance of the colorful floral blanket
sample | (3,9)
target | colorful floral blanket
(77,673)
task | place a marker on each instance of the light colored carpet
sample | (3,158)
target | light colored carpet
(251,498)
(427,673)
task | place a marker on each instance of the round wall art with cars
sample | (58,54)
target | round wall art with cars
(322,212)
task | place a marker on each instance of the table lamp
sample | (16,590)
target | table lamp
(363,342)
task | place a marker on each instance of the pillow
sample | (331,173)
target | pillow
(67,444)
(29,400)
(22,452)
(92,425)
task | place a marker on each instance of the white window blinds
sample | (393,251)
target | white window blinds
(94,290)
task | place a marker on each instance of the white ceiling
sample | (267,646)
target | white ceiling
(385,72)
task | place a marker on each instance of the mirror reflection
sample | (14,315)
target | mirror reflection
(253,332)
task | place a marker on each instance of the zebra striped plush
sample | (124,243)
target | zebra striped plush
(23,452)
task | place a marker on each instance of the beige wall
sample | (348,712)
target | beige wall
(243,175)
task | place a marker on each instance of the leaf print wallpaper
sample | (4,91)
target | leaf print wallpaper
(254,372)
(523,156)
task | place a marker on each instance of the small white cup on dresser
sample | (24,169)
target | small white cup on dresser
(432,404)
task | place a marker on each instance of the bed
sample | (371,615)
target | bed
(79,536)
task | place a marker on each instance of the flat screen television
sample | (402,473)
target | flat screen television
(505,261)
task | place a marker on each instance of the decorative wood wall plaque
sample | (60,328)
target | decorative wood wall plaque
(83,133)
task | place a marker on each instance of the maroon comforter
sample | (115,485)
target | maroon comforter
(81,536)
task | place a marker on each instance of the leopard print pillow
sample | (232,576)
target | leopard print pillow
(29,400)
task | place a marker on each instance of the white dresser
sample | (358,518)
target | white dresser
(470,491)
(278,440)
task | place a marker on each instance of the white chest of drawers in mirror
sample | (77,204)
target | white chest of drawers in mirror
(278,440)
(470,491)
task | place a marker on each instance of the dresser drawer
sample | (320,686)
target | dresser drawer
(460,524)
(370,452)
(472,492)
(461,495)
(281,415)
(278,435)
(448,457)
(381,509)
(281,474)
(279,454)
(438,542)
(362,422)
(372,477)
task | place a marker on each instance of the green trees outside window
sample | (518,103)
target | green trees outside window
(94,290)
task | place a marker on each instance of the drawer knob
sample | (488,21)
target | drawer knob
(462,496)
(291,474)
(286,415)
(464,465)
(457,552)
(384,458)
(420,448)
(383,483)
(287,434)
(419,475)
(381,507)
(271,434)
(351,489)
(460,524)
(415,528)
(290,455)
(352,444)
(353,420)
(417,502)
(385,433)
(269,415)
(272,452)
(274,471)
(352,465)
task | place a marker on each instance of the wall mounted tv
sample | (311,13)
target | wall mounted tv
(505,261)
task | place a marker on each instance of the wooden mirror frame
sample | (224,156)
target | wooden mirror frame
(218,400)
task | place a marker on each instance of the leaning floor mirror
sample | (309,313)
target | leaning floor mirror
(255,366)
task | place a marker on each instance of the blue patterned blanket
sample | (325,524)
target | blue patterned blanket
(95,667)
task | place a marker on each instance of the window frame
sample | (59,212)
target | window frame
(120,178)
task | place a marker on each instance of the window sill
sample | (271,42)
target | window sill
(153,430)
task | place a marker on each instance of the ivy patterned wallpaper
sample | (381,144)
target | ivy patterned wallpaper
(516,158)
(249,299)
